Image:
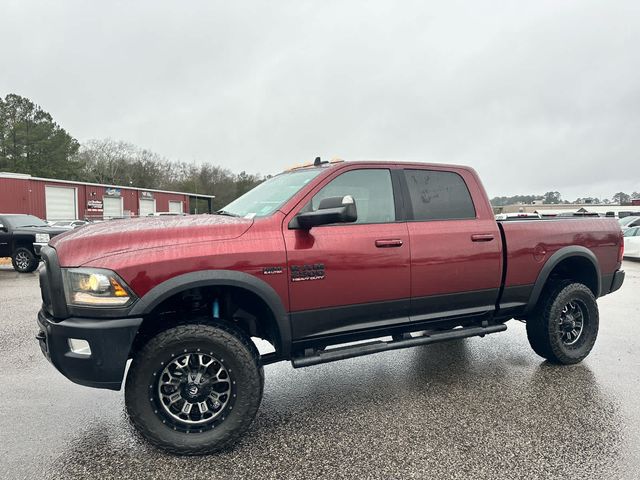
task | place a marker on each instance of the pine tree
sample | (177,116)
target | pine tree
(31,142)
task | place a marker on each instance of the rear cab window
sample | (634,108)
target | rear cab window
(438,195)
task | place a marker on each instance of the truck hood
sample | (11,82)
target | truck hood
(90,242)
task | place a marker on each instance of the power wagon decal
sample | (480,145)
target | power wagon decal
(301,273)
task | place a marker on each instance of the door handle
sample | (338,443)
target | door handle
(388,243)
(482,237)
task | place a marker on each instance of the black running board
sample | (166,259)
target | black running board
(324,356)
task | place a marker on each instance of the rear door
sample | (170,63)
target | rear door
(456,248)
(632,242)
(347,277)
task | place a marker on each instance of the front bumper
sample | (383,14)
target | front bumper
(110,341)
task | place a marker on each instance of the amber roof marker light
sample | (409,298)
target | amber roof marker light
(318,162)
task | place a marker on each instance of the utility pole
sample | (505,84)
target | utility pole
(195,184)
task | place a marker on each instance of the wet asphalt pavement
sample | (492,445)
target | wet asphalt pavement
(476,408)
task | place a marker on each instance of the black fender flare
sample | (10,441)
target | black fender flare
(553,261)
(19,240)
(231,278)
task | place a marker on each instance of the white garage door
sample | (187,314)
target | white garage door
(112,207)
(175,207)
(61,203)
(147,207)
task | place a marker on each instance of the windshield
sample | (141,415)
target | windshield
(19,221)
(627,220)
(267,197)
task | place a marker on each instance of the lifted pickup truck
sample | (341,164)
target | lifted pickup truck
(22,237)
(376,255)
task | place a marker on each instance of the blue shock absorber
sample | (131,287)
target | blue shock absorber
(216,309)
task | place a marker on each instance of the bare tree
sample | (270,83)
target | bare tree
(119,163)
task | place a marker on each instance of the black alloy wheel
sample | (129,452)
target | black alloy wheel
(195,389)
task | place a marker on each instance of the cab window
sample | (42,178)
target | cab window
(438,195)
(371,189)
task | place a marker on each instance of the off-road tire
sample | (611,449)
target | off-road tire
(543,325)
(24,260)
(241,359)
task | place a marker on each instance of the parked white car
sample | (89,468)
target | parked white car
(69,224)
(632,242)
(629,222)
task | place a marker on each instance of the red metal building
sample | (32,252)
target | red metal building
(66,200)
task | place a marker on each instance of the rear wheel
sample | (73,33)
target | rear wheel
(24,260)
(564,327)
(194,389)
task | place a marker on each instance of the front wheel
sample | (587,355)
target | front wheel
(24,260)
(194,389)
(564,327)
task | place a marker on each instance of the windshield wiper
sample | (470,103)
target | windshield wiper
(228,214)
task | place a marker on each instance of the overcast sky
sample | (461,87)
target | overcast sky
(536,96)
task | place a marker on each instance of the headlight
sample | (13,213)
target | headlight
(42,238)
(96,287)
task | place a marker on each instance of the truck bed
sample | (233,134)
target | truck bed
(529,244)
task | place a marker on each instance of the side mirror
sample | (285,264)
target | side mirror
(330,210)
(3,228)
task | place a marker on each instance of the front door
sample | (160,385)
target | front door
(346,277)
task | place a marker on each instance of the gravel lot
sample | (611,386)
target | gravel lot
(477,408)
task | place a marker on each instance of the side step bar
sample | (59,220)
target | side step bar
(350,351)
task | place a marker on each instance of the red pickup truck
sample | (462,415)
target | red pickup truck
(326,262)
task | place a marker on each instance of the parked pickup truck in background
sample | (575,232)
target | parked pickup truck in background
(22,237)
(376,255)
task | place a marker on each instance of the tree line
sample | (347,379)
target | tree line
(555,198)
(120,163)
(32,142)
